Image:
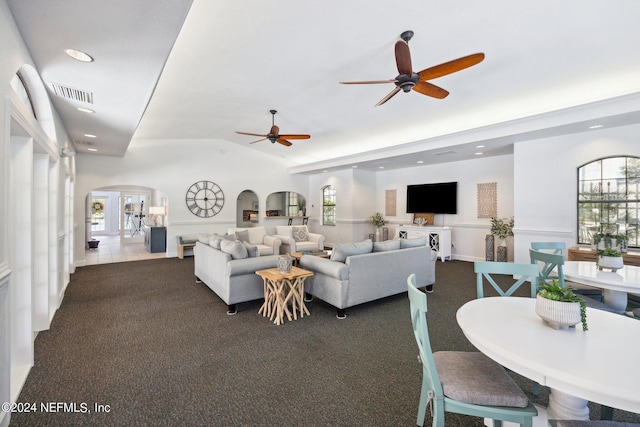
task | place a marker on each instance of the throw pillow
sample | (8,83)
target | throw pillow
(252,250)
(413,243)
(203,237)
(243,236)
(214,241)
(388,245)
(300,233)
(343,250)
(236,249)
(284,230)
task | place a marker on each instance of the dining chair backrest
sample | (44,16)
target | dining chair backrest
(524,273)
(557,248)
(549,266)
(418,304)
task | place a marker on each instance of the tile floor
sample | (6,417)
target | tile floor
(110,250)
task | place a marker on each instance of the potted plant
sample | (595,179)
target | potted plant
(502,227)
(609,258)
(378,220)
(302,207)
(560,307)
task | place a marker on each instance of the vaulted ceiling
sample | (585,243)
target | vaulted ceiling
(183,70)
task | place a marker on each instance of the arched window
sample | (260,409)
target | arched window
(328,205)
(20,87)
(609,199)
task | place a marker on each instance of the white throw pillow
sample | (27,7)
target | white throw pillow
(236,249)
(284,230)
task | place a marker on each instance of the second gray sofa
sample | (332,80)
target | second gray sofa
(366,271)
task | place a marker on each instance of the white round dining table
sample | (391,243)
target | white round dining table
(615,286)
(599,365)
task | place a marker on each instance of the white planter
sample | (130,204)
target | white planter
(610,262)
(558,314)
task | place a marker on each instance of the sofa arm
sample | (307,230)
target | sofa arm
(325,266)
(286,240)
(273,242)
(238,267)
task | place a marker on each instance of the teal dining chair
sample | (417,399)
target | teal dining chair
(550,267)
(463,382)
(487,271)
(588,423)
(560,248)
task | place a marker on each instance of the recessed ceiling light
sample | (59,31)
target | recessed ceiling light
(92,149)
(595,126)
(78,55)
(355,166)
(479,146)
(380,167)
(90,135)
(479,153)
(325,171)
(85,110)
(420,161)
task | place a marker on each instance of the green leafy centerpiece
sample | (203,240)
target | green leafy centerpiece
(609,258)
(560,307)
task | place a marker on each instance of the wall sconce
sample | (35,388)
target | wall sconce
(157,211)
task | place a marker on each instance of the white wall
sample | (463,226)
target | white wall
(171,166)
(467,230)
(545,182)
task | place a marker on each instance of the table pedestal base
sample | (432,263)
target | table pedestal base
(615,299)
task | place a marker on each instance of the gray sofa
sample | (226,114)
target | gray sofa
(361,272)
(232,278)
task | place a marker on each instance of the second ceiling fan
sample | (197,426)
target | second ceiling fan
(274,134)
(408,80)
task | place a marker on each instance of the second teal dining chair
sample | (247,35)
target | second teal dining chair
(463,382)
(526,272)
(560,248)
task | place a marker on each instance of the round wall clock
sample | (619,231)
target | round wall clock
(205,199)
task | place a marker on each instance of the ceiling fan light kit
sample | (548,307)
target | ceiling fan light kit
(408,80)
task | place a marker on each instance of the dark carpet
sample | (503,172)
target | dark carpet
(151,347)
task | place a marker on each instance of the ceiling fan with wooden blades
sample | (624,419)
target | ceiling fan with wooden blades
(274,134)
(408,80)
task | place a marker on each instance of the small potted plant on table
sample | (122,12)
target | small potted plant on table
(609,258)
(378,220)
(560,307)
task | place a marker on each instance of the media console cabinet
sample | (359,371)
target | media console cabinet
(438,238)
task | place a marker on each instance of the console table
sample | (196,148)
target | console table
(438,238)
(588,254)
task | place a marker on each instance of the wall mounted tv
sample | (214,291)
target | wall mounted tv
(437,198)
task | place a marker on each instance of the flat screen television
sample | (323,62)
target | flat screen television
(437,198)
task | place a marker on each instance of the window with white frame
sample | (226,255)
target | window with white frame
(609,199)
(328,205)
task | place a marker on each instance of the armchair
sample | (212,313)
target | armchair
(267,245)
(297,238)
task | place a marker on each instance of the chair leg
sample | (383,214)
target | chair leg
(422,407)
(606,412)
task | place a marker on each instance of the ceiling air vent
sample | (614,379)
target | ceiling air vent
(85,143)
(72,93)
(445,153)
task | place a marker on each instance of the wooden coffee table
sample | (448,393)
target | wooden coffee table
(297,255)
(282,290)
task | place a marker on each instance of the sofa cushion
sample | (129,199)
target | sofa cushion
(414,242)
(204,238)
(284,230)
(300,233)
(343,250)
(243,236)
(388,245)
(252,250)
(236,249)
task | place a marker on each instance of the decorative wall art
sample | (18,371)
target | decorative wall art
(488,200)
(390,202)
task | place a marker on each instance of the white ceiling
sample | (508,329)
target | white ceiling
(547,63)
